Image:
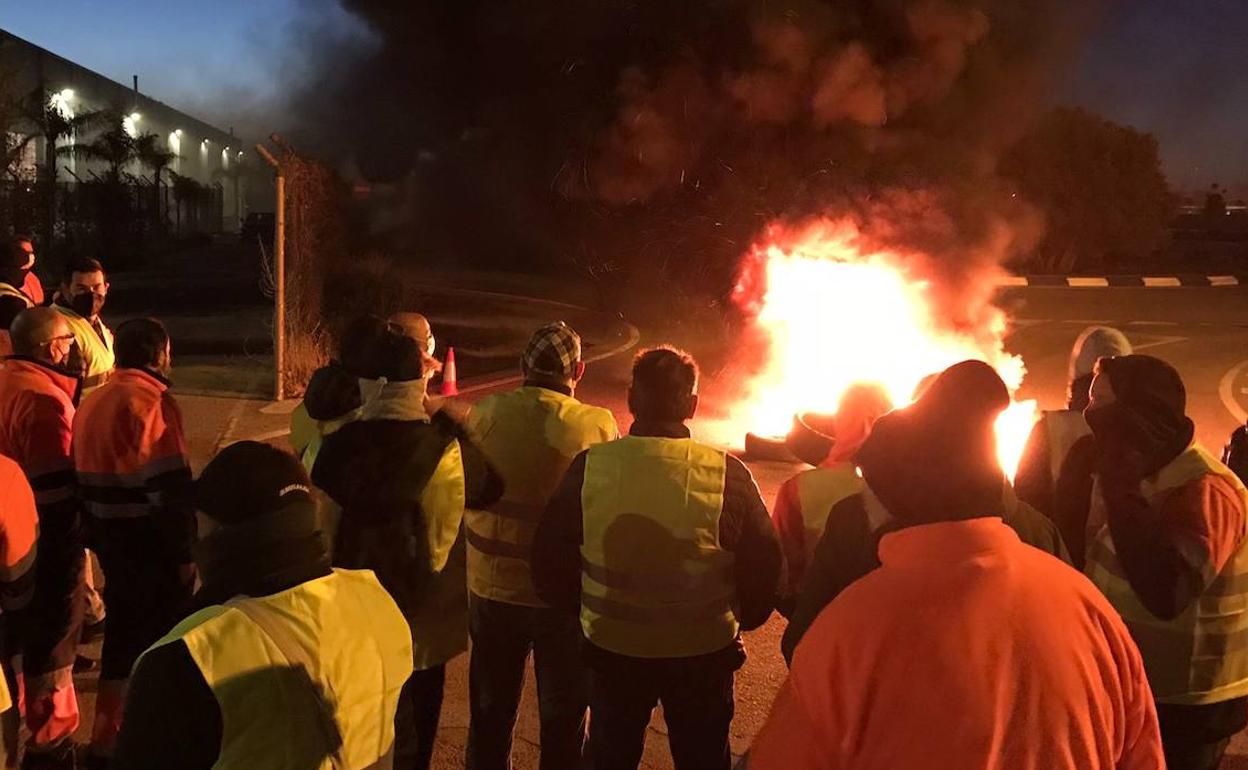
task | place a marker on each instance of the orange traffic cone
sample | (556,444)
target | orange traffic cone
(450,380)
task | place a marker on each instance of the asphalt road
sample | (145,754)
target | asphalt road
(1202,332)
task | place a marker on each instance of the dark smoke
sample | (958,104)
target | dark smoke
(658,138)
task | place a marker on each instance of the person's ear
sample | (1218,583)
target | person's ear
(693,406)
(578,371)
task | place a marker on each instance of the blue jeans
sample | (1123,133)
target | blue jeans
(503,635)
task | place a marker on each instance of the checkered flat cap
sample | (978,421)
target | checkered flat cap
(553,351)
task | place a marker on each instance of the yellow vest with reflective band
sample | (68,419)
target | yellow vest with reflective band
(8,290)
(530,436)
(655,582)
(97,350)
(1202,655)
(349,628)
(440,624)
(1063,428)
(818,490)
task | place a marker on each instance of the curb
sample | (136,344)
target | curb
(1116,281)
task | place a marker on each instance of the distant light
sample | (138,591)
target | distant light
(67,93)
(136,117)
(205,142)
(240,153)
(177,132)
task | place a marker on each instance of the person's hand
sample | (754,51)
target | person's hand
(434,404)
(431,364)
(1120,460)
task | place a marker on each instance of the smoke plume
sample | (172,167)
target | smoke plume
(657,138)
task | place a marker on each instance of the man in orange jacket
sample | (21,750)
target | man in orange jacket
(133,475)
(19,528)
(38,387)
(966,649)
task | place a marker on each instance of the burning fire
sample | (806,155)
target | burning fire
(833,311)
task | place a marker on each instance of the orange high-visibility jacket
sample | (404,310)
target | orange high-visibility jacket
(130,451)
(36,420)
(19,530)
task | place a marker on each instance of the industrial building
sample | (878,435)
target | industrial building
(205,153)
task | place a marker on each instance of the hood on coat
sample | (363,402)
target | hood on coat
(936,459)
(1092,344)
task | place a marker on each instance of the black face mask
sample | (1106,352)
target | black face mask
(88,304)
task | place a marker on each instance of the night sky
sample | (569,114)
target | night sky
(1176,68)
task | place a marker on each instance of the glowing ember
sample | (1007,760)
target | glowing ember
(833,311)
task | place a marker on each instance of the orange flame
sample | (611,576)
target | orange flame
(833,312)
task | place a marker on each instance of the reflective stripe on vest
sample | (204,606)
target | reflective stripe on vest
(96,348)
(350,628)
(530,435)
(1202,655)
(7,290)
(655,582)
(820,489)
(1063,428)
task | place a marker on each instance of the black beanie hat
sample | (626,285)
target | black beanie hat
(358,347)
(250,479)
(399,357)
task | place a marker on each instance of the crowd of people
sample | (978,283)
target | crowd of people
(298,610)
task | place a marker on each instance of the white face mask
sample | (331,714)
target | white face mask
(30,262)
(432,345)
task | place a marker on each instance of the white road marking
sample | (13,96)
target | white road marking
(1226,391)
(1223,280)
(1087,282)
(1160,339)
(1012,280)
(1161,281)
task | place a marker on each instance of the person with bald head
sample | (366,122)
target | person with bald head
(417,327)
(39,386)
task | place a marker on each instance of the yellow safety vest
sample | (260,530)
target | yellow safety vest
(9,290)
(1202,655)
(96,348)
(530,436)
(818,490)
(1063,428)
(349,630)
(440,623)
(655,582)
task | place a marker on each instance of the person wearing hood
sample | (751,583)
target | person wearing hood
(332,398)
(282,662)
(929,660)
(1166,545)
(848,548)
(39,388)
(1056,434)
(403,478)
(805,500)
(80,299)
(1235,455)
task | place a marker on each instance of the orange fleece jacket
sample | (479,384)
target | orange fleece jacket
(966,650)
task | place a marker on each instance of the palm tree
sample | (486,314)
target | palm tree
(113,147)
(149,152)
(44,113)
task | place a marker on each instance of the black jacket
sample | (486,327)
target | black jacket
(745,530)
(377,470)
